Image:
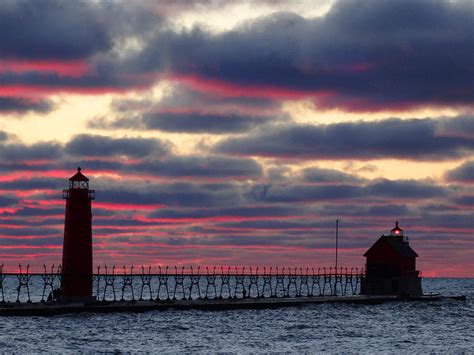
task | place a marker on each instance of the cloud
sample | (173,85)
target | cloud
(50,29)
(318,175)
(7,201)
(30,212)
(18,152)
(147,157)
(173,194)
(182,109)
(405,189)
(21,105)
(192,122)
(3,136)
(100,79)
(359,56)
(447,219)
(243,211)
(465,201)
(179,97)
(420,55)
(96,146)
(463,173)
(209,167)
(415,139)
(460,126)
(376,189)
(60,46)
(33,184)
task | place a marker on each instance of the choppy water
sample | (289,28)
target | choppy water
(446,326)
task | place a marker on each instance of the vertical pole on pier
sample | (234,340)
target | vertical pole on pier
(337,239)
(337,245)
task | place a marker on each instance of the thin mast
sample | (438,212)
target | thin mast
(337,239)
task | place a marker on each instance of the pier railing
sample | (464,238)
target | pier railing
(166,283)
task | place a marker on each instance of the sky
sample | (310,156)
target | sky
(235,133)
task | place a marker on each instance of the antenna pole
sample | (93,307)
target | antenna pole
(337,239)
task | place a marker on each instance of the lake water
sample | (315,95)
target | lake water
(446,326)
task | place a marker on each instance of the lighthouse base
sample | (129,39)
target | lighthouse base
(77,299)
(386,285)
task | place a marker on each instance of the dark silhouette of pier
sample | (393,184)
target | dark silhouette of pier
(181,283)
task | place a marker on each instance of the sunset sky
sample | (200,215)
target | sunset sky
(236,133)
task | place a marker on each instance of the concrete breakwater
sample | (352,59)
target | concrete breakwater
(51,309)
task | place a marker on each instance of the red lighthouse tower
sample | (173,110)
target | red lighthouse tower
(76,284)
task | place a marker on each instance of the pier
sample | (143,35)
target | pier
(179,288)
(181,283)
(51,309)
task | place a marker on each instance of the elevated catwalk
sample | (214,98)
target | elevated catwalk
(51,309)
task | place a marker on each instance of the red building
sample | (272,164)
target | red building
(76,283)
(391,267)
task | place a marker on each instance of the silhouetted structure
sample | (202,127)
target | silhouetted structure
(76,284)
(391,267)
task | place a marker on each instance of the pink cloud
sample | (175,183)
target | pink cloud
(75,68)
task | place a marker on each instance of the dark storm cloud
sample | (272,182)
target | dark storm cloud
(33,184)
(416,139)
(458,126)
(463,173)
(182,109)
(182,96)
(172,166)
(360,55)
(104,77)
(377,189)
(17,152)
(366,55)
(405,189)
(447,219)
(272,224)
(34,212)
(7,201)
(120,222)
(3,136)
(177,194)
(53,45)
(194,122)
(317,175)
(243,211)
(69,30)
(22,105)
(195,166)
(465,201)
(99,164)
(94,145)
(152,157)
(357,210)
(295,193)
(51,29)
(42,238)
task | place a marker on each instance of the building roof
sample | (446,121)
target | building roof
(397,244)
(78,176)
